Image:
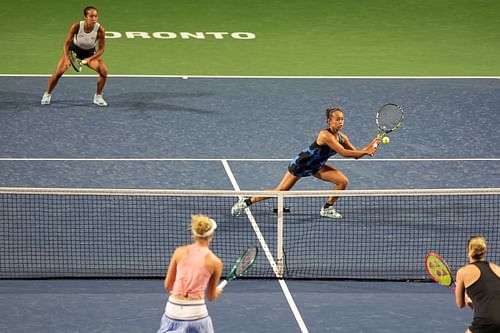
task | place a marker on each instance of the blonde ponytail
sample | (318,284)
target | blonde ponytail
(477,247)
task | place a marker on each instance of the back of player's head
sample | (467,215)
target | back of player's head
(202,226)
(476,247)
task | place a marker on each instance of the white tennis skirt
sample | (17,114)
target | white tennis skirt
(203,325)
(186,316)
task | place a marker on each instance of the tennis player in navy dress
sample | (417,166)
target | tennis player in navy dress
(312,161)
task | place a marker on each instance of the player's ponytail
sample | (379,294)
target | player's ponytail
(476,247)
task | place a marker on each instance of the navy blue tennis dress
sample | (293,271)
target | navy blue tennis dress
(312,159)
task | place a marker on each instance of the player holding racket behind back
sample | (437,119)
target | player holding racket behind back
(312,162)
(82,38)
(481,280)
(193,272)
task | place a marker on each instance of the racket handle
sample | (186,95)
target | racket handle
(222,284)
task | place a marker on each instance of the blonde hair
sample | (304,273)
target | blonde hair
(202,226)
(476,247)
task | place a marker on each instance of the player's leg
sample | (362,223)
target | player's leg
(100,67)
(62,65)
(287,182)
(330,174)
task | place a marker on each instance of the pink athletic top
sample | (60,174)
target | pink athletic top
(192,276)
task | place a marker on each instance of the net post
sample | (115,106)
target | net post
(279,255)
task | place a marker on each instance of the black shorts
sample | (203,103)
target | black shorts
(302,171)
(81,53)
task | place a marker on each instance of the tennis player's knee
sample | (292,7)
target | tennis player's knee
(281,187)
(57,75)
(343,183)
(103,71)
(60,70)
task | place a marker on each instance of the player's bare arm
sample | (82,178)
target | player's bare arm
(346,150)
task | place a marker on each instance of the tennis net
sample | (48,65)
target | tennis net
(109,233)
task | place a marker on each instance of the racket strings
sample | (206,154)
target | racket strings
(246,261)
(389,117)
(439,270)
(75,61)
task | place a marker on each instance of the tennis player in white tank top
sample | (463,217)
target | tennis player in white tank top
(87,39)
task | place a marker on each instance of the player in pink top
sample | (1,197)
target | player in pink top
(194,271)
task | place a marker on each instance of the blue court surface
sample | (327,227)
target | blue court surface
(174,133)
(246,306)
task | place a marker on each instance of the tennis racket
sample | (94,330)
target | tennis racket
(389,118)
(243,264)
(439,270)
(75,61)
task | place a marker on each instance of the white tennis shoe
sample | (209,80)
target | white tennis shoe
(239,207)
(98,100)
(46,98)
(330,212)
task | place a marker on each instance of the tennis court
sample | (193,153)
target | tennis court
(98,151)
(222,129)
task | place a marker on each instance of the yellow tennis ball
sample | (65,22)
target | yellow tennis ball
(386,140)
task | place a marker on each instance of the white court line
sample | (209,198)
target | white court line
(261,76)
(284,287)
(127,159)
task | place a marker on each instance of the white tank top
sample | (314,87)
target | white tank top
(86,41)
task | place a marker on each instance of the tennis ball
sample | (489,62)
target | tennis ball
(386,140)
